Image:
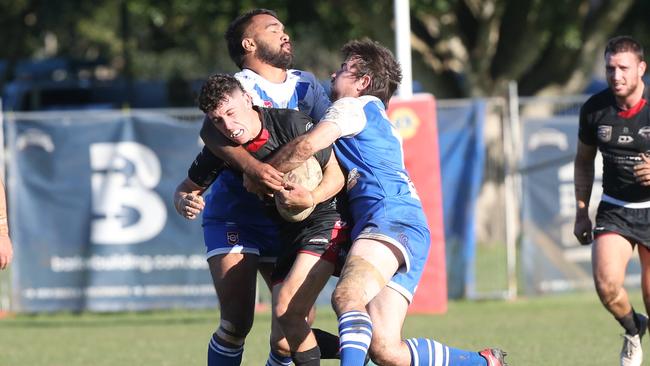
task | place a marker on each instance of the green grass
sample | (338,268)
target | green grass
(559,330)
(490,268)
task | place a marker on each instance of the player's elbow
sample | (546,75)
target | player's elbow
(304,149)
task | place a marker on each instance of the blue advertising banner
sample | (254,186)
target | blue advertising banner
(93,223)
(462,155)
(552,258)
(92,216)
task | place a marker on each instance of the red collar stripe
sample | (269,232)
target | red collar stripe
(634,110)
(258,141)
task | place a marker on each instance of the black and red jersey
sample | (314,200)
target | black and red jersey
(279,126)
(621,137)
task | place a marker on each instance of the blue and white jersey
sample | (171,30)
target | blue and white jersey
(382,199)
(301,91)
(370,151)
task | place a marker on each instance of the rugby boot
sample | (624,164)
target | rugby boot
(631,353)
(494,356)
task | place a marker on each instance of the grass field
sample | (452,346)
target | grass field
(559,330)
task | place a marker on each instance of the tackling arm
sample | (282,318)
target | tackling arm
(237,157)
(332,183)
(322,135)
(295,195)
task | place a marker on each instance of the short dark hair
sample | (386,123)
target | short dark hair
(624,44)
(216,89)
(235,34)
(378,62)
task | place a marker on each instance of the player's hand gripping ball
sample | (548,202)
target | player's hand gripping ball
(308,175)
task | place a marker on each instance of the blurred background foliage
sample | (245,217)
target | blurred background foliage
(461,48)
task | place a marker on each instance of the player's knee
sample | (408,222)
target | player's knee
(279,344)
(238,327)
(382,352)
(291,313)
(360,281)
(606,288)
(289,302)
(609,292)
(344,299)
(284,315)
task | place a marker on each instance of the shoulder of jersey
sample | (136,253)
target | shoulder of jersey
(303,74)
(598,101)
(345,101)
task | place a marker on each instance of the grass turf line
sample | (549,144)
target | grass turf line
(570,329)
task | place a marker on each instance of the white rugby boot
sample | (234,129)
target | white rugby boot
(631,353)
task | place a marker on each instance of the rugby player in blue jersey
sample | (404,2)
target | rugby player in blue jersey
(259,46)
(390,234)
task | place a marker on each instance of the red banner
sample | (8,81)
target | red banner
(416,120)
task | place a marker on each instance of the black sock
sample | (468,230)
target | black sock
(307,358)
(328,344)
(637,321)
(630,323)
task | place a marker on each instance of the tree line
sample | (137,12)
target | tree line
(461,48)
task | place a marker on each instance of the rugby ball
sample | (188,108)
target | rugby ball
(309,175)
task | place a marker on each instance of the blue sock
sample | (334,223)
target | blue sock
(429,352)
(355,333)
(221,355)
(276,359)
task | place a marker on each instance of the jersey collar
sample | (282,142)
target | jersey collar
(629,113)
(262,137)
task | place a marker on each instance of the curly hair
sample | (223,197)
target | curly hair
(376,61)
(235,33)
(624,44)
(217,89)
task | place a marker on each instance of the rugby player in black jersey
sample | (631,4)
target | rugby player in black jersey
(311,247)
(616,121)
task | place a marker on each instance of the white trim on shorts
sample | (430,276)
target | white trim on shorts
(239,249)
(392,241)
(617,202)
(401,290)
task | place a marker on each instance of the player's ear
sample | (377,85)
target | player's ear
(364,82)
(248,44)
(249,99)
(642,67)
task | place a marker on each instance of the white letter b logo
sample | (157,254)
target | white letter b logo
(125,208)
